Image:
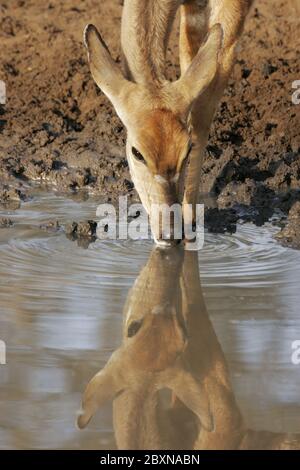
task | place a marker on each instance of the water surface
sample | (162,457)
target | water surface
(61,316)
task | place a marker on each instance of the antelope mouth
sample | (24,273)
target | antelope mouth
(164,243)
(170,238)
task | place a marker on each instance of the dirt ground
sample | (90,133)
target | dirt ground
(57,128)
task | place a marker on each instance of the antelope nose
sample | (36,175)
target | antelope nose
(168,227)
(167,243)
(167,240)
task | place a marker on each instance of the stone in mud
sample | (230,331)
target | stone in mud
(286,200)
(268,69)
(11,198)
(286,173)
(84,229)
(51,226)
(237,193)
(220,220)
(252,201)
(84,233)
(71,229)
(290,234)
(5,222)
(80,179)
(61,130)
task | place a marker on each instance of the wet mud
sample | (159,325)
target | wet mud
(58,129)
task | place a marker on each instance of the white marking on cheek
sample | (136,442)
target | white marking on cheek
(160,179)
(157,310)
(162,308)
(128,315)
(175,178)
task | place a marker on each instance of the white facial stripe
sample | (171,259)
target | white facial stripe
(128,315)
(175,178)
(157,310)
(85,35)
(160,179)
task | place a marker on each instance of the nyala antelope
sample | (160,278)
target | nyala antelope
(167,122)
(169,344)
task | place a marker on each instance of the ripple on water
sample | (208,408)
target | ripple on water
(249,254)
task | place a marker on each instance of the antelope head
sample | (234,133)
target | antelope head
(170,344)
(154,110)
(150,361)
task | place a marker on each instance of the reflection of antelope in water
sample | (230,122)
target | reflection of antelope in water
(169,343)
(168,123)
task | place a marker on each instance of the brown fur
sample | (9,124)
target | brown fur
(164,141)
(158,114)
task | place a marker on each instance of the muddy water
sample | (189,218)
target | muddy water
(61,318)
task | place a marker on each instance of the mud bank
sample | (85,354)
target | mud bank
(58,129)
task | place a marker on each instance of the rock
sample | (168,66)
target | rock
(65,132)
(246,72)
(286,174)
(5,222)
(84,229)
(220,220)
(71,229)
(268,69)
(290,234)
(129,184)
(10,198)
(84,233)
(51,226)
(252,201)
(237,193)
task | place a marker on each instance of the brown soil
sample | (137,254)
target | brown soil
(57,128)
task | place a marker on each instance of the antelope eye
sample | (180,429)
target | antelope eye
(138,155)
(134,328)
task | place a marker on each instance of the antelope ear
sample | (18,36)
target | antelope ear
(193,395)
(202,69)
(105,71)
(104,386)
